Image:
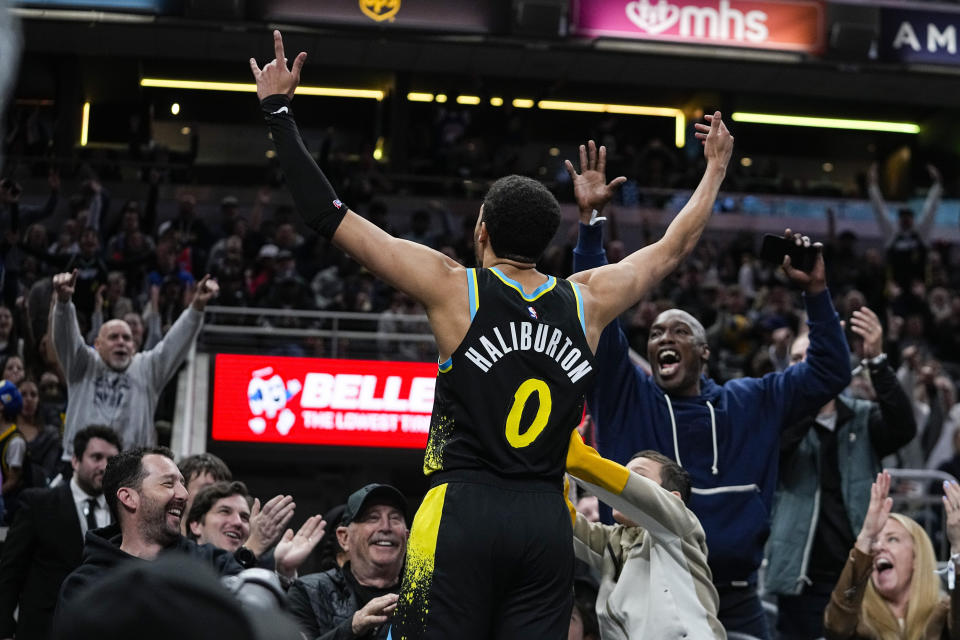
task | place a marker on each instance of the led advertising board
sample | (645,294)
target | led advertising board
(356,403)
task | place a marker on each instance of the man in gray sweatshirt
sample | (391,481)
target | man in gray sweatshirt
(110,384)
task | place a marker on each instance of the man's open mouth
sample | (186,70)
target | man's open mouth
(669,362)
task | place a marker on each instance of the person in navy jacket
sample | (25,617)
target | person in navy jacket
(726,436)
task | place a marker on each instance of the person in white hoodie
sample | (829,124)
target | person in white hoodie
(655,581)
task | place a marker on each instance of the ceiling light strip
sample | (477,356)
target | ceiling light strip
(203,85)
(826,123)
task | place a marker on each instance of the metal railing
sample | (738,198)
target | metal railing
(926,507)
(276,326)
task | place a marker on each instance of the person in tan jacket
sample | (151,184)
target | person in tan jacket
(889,589)
(655,579)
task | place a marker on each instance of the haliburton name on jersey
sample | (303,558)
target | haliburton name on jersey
(523,337)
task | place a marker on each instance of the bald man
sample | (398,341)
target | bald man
(727,437)
(112,384)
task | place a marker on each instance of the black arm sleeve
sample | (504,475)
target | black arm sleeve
(315,198)
(892,424)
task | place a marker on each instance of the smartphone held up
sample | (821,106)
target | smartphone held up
(774,248)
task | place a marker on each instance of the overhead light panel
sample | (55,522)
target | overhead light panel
(522,103)
(303,90)
(561,105)
(496,101)
(826,123)
(680,120)
(474,100)
(414,96)
(85,124)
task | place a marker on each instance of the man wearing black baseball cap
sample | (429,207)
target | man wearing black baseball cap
(356,600)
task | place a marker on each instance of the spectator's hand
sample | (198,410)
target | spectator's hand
(866,324)
(877,513)
(927,374)
(207,288)
(911,357)
(951,503)
(815,281)
(373,614)
(275,78)
(264,196)
(873,175)
(894,326)
(590,187)
(155,297)
(934,174)
(98,297)
(716,139)
(782,339)
(267,525)
(64,285)
(293,550)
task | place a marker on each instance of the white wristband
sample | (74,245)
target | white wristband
(595,218)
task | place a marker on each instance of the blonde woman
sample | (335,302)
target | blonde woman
(889,589)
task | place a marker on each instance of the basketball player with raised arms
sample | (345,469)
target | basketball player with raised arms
(490,550)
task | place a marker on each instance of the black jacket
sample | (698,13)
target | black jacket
(323,605)
(43,546)
(892,424)
(102,553)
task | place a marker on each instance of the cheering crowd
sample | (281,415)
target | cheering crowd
(753,427)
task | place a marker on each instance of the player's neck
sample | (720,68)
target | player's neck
(525,273)
(514,269)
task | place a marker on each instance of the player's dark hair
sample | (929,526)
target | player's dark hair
(522,217)
(209,496)
(673,477)
(126,470)
(85,435)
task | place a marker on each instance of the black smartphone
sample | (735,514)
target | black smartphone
(774,248)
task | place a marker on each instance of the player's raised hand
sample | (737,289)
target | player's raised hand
(590,187)
(275,77)
(716,139)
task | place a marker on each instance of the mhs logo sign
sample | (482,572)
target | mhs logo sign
(792,25)
(380,10)
(714,23)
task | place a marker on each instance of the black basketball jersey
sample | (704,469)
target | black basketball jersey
(509,396)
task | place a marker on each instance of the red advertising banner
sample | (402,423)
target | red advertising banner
(356,403)
(790,25)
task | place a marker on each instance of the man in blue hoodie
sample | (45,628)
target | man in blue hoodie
(726,436)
